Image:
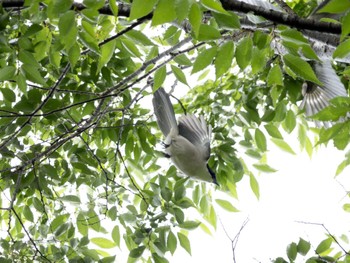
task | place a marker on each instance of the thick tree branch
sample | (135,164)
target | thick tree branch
(271,15)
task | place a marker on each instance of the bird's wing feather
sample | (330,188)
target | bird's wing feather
(197,132)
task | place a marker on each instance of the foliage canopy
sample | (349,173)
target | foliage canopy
(78,136)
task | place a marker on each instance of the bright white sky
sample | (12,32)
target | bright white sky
(302,189)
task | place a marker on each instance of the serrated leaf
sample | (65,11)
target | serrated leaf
(260,140)
(7,73)
(324,245)
(204,59)
(140,8)
(275,76)
(282,145)
(103,242)
(184,242)
(164,12)
(226,205)
(68,29)
(224,58)
(301,68)
(180,76)
(159,77)
(244,52)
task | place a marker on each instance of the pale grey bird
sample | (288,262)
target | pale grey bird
(187,143)
(316,97)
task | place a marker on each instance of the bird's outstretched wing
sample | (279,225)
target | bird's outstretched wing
(197,132)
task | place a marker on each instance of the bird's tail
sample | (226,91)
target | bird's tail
(317,97)
(164,111)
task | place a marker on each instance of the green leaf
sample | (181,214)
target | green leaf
(70,198)
(103,242)
(164,12)
(227,21)
(273,131)
(89,42)
(195,18)
(28,214)
(182,9)
(139,37)
(254,185)
(303,247)
(82,224)
(290,121)
(131,48)
(204,59)
(275,76)
(346,208)
(94,4)
(114,7)
(342,166)
(335,6)
(59,7)
(179,74)
(190,225)
(137,252)
(224,58)
(345,26)
(301,68)
(292,251)
(207,33)
(214,6)
(184,242)
(342,50)
(171,242)
(7,73)
(264,168)
(324,245)
(159,77)
(68,29)
(107,52)
(226,205)
(59,220)
(32,74)
(140,8)
(282,145)
(260,140)
(244,52)
(8,94)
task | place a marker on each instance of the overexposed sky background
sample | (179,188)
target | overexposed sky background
(302,189)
